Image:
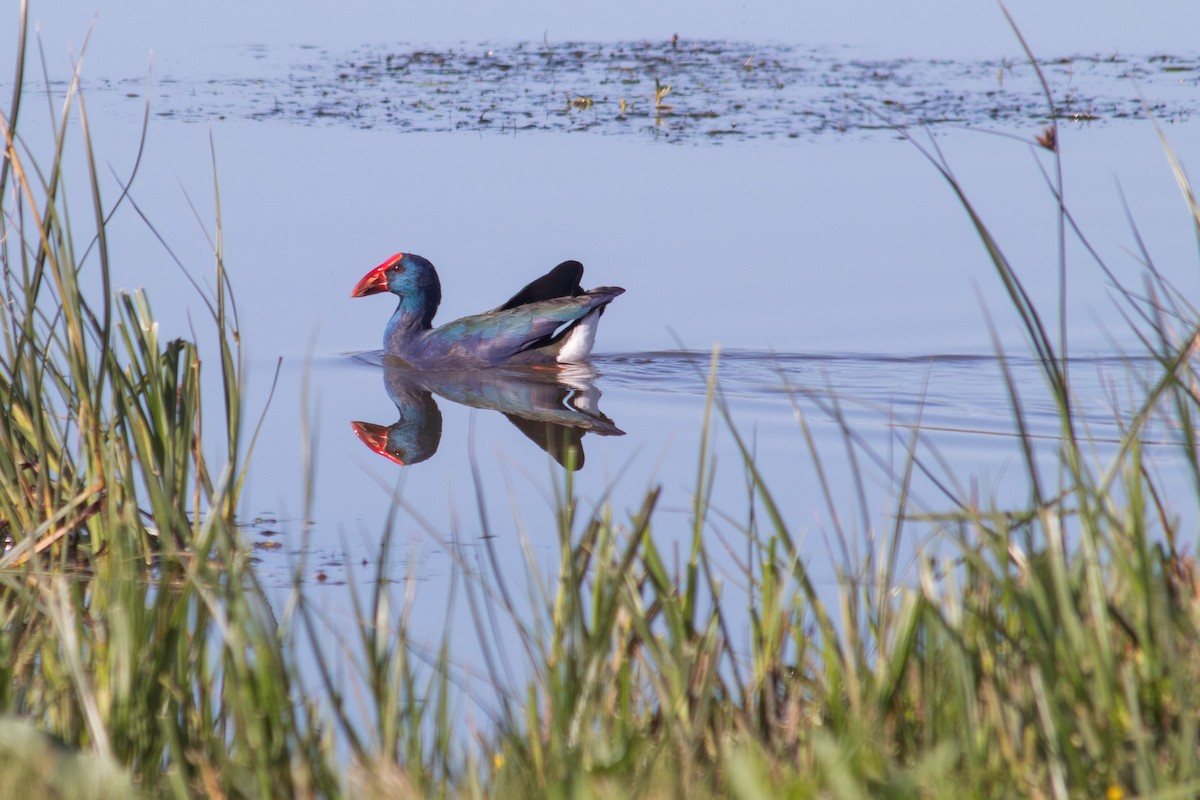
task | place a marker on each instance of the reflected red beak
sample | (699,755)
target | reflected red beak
(375,437)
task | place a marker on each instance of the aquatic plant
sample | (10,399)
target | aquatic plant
(101,440)
(661,91)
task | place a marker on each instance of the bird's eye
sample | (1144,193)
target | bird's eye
(397,267)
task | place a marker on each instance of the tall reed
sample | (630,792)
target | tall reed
(132,629)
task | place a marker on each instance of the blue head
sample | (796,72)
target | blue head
(410,277)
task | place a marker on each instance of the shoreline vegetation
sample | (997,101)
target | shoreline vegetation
(1046,650)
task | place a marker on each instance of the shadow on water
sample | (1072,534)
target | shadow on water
(959,395)
(553,408)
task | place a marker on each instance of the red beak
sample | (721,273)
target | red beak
(375,437)
(375,281)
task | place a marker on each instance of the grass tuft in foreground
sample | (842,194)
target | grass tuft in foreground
(135,647)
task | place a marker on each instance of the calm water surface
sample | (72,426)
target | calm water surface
(836,271)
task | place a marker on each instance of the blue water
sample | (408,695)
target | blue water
(839,275)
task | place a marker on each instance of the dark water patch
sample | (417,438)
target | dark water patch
(699,91)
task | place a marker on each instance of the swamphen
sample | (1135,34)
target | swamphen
(552,320)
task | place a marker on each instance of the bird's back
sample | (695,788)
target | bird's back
(535,332)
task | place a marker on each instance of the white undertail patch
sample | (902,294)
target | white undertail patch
(577,345)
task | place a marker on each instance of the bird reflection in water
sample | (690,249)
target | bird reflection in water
(553,407)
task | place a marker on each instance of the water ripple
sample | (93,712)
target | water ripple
(961,393)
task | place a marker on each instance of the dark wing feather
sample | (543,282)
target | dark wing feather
(562,281)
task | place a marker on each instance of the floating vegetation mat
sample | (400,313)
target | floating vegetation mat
(695,91)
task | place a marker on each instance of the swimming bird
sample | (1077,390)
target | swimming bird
(552,320)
